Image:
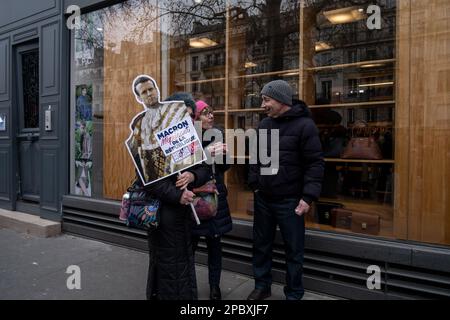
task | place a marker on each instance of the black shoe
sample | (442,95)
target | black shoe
(259,294)
(214,293)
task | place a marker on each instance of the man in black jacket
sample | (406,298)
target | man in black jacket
(285,195)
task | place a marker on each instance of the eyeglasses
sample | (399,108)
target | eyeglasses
(207,112)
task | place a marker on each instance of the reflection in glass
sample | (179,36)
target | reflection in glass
(264,45)
(350,79)
(195,51)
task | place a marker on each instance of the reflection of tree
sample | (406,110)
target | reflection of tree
(90,32)
(137,20)
(133,20)
(260,20)
(183,14)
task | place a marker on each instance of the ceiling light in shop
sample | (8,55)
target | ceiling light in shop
(201,43)
(345,15)
(321,46)
(250,65)
(380,84)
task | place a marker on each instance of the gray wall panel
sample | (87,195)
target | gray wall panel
(29,169)
(64,111)
(49,169)
(4,172)
(25,35)
(17,13)
(5,63)
(5,159)
(50,48)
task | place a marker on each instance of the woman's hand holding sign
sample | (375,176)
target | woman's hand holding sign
(187,197)
(184,179)
(182,182)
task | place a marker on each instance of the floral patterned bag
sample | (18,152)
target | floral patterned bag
(139,209)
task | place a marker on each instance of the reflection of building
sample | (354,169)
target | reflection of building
(261,45)
(369,79)
(206,64)
(250,52)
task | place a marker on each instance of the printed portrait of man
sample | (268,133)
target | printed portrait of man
(148,157)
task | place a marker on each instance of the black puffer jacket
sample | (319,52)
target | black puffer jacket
(171,273)
(222,222)
(301,163)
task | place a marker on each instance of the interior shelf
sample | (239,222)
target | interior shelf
(354,104)
(358,161)
(386,228)
(350,65)
(384,210)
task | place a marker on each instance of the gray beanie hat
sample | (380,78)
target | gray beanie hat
(279,90)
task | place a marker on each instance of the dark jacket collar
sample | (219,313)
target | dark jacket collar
(299,109)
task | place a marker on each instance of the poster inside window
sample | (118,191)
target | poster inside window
(83,140)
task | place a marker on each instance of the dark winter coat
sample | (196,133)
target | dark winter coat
(301,164)
(222,222)
(171,273)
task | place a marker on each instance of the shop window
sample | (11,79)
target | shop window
(355,187)
(345,72)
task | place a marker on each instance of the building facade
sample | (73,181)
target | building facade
(375,71)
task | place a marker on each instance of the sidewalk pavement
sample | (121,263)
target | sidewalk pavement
(35,268)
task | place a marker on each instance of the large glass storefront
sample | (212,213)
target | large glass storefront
(348,60)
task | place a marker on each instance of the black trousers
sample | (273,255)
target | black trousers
(267,215)
(214,246)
